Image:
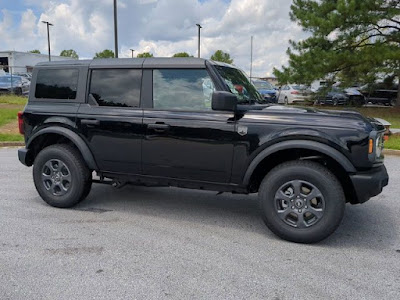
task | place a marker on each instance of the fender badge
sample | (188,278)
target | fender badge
(242,130)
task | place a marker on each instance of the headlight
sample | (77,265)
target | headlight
(379,142)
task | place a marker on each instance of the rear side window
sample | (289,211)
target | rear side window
(57,84)
(116,87)
(182,89)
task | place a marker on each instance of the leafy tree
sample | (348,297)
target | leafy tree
(145,54)
(351,41)
(35,51)
(182,54)
(222,56)
(69,53)
(105,54)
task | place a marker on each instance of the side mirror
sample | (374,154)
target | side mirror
(223,101)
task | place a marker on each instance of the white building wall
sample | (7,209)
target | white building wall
(22,62)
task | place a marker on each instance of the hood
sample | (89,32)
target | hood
(308,117)
(265,91)
(352,92)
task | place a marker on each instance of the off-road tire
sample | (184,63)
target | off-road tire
(79,175)
(319,177)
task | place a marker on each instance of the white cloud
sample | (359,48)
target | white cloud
(162,27)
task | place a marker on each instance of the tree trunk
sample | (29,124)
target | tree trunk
(398,93)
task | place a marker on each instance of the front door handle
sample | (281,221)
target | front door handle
(90,122)
(158,127)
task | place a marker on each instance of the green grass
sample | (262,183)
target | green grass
(393,142)
(390,114)
(5,137)
(8,115)
(12,99)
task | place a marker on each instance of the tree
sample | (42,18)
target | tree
(69,53)
(35,51)
(182,54)
(222,56)
(145,54)
(351,41)
(105,54)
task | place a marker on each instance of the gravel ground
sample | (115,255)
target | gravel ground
(169,243)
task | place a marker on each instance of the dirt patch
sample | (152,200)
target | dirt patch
(11,106)
(10,128)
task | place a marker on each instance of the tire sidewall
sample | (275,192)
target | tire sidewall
(333,198)
(74,193)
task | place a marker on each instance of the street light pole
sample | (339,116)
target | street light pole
(115,29)
(251,56)
(132,52)
(48,35)
(198,40)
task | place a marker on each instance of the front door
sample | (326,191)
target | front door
(185,138)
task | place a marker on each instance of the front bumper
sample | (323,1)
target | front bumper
(369,183)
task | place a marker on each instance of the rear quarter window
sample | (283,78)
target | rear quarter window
(56,83)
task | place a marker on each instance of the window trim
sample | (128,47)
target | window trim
(89,83)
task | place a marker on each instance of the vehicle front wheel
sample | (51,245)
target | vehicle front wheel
(61,176)
(301,201)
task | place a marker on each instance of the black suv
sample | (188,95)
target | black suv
(195,123)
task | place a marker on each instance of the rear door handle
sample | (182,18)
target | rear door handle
(158,127)
(90,122)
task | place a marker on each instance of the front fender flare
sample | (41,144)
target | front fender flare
(74,138)
(299,144)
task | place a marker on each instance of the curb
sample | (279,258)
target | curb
(391,152)
(12,144)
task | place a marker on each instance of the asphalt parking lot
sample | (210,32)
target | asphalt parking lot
(168,243)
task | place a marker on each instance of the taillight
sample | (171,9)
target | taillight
(294,92)
(21,122)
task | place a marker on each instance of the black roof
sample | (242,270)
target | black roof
(153,62)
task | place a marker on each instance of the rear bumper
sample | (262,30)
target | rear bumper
(24,157)
(370,183)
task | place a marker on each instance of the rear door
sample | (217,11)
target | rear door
(184,137)
(111,120)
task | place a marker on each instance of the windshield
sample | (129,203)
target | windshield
(239,84)
(7,79)
(263,85)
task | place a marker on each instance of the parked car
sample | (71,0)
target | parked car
(14,84)
(355,97)
(380,96)
(294,93)
(153,121)
(333,96)
(267,90)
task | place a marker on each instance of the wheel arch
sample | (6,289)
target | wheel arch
(284,151)
(56,135)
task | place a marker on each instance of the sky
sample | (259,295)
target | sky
(162,27)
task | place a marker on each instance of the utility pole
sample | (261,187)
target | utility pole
(251,57)
(115,29)
(198,40)
(132,52)
(48,35)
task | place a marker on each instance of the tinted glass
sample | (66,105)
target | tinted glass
(116,87)
(184,89)
(240,85)
(57,84)
(263,85)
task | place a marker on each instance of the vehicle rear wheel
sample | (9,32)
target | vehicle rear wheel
(61,176)
(301,201)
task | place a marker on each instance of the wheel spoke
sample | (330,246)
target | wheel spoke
(49,164)
(300,221)
(282,196)
(313,194)
(317,212)
(296,187)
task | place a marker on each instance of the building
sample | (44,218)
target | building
(23,62)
